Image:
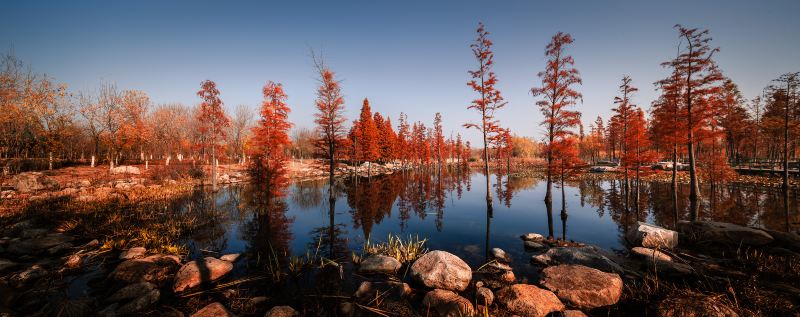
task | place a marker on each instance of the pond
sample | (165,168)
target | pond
(449,210)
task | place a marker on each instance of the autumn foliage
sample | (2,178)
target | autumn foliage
(270,138)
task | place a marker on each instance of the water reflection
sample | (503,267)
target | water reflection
(444,208)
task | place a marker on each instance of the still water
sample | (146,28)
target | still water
(450,211)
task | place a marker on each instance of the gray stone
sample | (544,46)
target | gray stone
(788,240)
(194,273)
(32,181)
(445,303)
(281,311)
(442,270)
(131,291)
(533,245)
(155,269)
(652,236)
(582,287)
(501,255)
(587,256)
(650,254)
(725,233)
(33,233)
(125,170)
(214,309)
(230,257)
(535,237)
(133,253)
(37,245)
(139,303)
(379,264)
(32,273)
(528,300)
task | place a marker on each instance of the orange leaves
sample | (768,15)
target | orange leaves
(270,138)
(211,116)
(329,117)
(483,82)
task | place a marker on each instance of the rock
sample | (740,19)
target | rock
(501,255)
(484,296)
(379,264)
(214,309)
(650,254)
(125,170)
(369,290)
(500,266)
(59,248)
(133,253)
(787,240)
(109,311)
(528,300)
(31,233)
(155,269)
(582,287)
(573,313)
(255,305)
(725,233)
(73,261)
(669,268)
(32,181)
(587,256)
(534,237)
(32,273)
(652,236)
(442,270)
(131,291)
(346,309)
(533,245)
(38,245)
(139,303)
(194,273)
(694,305)
(230,257)
(7,264)
(508,277)
(446,304)
(281,311)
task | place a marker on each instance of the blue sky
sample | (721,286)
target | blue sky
(409,56)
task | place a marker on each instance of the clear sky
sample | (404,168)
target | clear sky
(409,56)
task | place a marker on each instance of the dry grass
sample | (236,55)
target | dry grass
(405,250)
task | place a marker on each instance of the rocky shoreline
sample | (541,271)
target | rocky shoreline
(574,279)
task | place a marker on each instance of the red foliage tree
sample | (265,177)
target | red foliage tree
(270,139)
(368,135)
(483,82)
(557,97)
(701,76)
(213,123)
(438,140)
(622,118)
(329,117)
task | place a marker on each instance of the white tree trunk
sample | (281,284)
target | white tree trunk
(50,162)
(92,160)
(146,165)
(168,158)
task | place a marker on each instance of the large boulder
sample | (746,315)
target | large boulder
(787,240)
(582,287)
(442,270)
(32,181)
(586,255)
(694,305)
(131,291)
(379,264)
(139,303)
(528,300)
(206,270)
(155,269)
(650,254)
(125,170)
(133,253)
(723,232)
(652,236)
(38,245)
(213,310)
(445,303)
(281,311)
